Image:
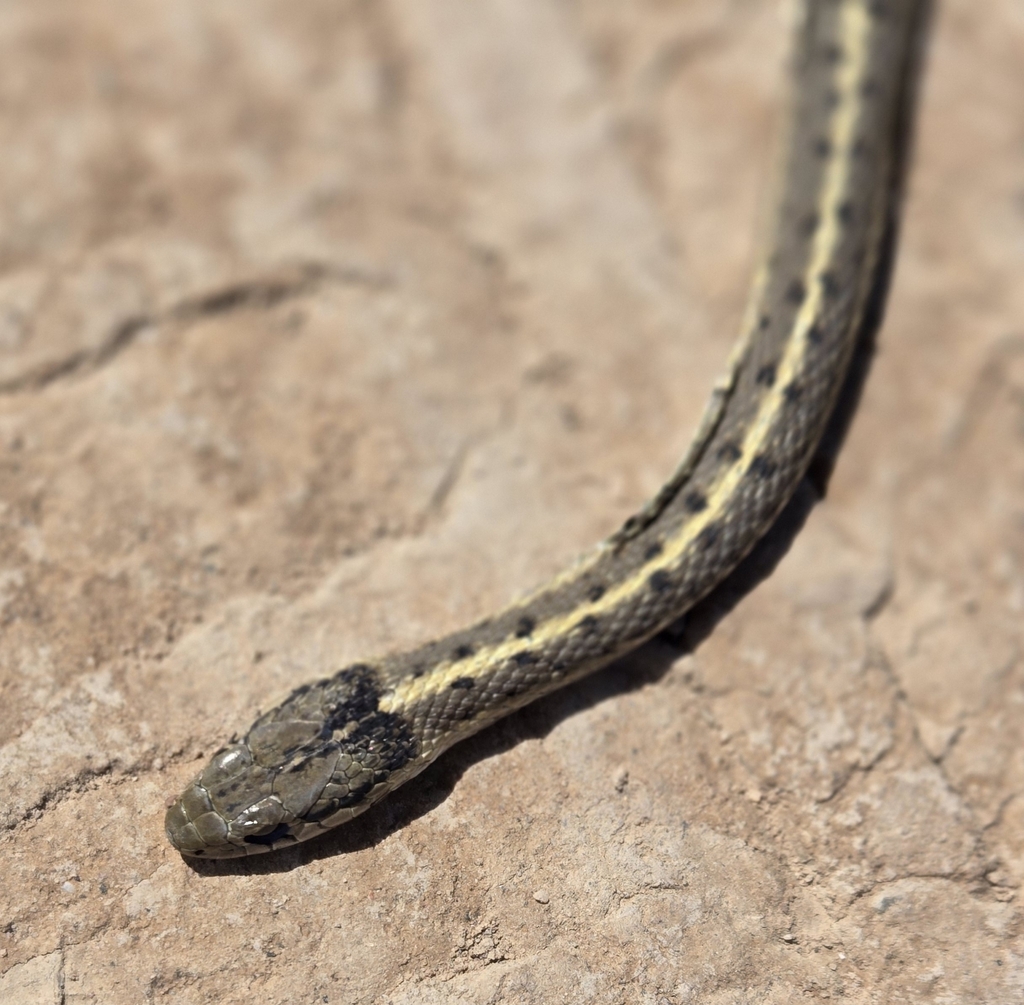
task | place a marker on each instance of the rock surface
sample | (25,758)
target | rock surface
(325,327)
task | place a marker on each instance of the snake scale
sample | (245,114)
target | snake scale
(336,746)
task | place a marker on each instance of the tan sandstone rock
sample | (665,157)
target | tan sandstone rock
(328,326)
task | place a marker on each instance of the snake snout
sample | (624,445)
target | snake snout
(229,809)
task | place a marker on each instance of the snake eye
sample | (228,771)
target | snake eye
(259,819)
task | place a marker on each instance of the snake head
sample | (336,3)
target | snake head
(317,760)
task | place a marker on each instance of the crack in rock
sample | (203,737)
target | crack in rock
(254,294)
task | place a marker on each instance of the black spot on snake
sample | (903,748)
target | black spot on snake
(822,147)
(766,375)
(869,88)
(525,627)
(729,451)
(793,392)
(695,502)
(659,581)
(595,593)
(815,334)
(588,624)
(709,536)
(653,550)
(829,284)
(831,54)
(524,658)
(762,466)
(462,652)
(795,292)
(462,684)
(808,225)
(846,213)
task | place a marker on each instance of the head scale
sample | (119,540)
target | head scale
(320,758)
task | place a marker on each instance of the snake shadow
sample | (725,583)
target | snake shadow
(650,662)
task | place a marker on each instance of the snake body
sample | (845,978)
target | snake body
(336,746)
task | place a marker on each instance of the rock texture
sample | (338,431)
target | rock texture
(328,326)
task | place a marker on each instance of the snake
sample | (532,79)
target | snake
(336,746)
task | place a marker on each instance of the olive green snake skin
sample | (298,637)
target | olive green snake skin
(336,746)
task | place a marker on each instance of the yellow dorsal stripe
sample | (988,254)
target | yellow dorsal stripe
(854,31)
